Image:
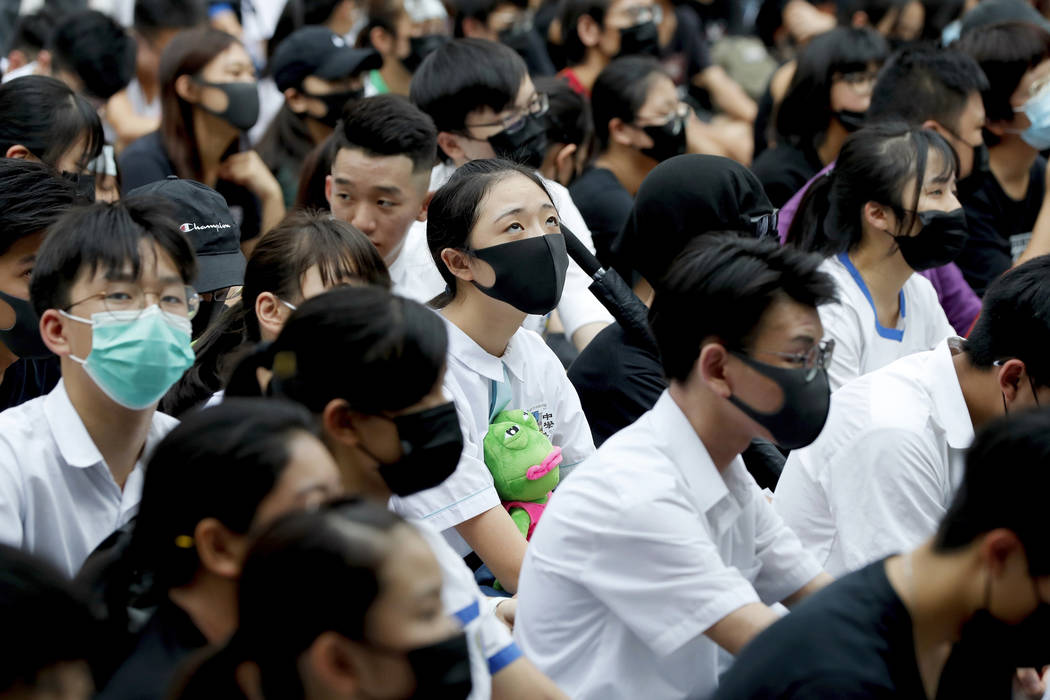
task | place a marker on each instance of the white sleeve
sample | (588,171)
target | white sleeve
(840,323)
(11,500)
(786,566)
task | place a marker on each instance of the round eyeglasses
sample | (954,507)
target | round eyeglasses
(180,300)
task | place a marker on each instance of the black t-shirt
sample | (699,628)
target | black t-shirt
(28,379)
(165,642)
(784,169)
(999,226)
(604,204)
(146,161)
(687,55)
(851,640)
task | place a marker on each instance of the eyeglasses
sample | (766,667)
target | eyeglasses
(222,295)
(765,225)
(515,121)
(818,357)
(679,114)
(182,301)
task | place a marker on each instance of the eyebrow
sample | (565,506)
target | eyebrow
(128,277)
(27,259)
(518,210)
(388,189)
(804,339)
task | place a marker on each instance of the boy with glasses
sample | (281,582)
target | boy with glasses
(111,289)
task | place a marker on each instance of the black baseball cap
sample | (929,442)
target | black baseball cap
(203,215)
(318,51)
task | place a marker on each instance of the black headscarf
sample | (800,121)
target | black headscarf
(682,198)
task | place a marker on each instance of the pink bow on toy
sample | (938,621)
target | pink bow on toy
(541,470)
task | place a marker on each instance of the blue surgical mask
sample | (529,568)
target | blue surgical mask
(136,356)
(1037,109)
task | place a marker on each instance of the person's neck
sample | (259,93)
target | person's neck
(7,358)
(937,590)
(488,322)
(834,137)
(119,433)
(352,470)
(148,84)
(396,76)
(884,275)
(980,390)
(214,136)
(1011,163)
(318,131)
(587,72)
(341,25)
(629,165)
(721,436)
(211,603)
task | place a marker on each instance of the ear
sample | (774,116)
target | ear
(187,89)
(422,215)
(16,59)
(564,157)
(331,660)
(620,132)
(43,62)
(998,127)
(997,547)
(710,368)
(20,152)
(381,40)
(473,29)
(589,31)
(296,100)
(1009,376)
(458,263)
(337,421)
(877,215)
(449,143)
(53,331)
(271,313)
(328,190)
(221,551)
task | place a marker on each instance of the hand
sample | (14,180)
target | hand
(804,21)
(227,22)
(506,610)
(248,170)
(1029,683)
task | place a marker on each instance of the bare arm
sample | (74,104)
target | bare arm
(813,586)
(742,625)
(726,94)
(585,334)
(1040,241)
(496,539)
(128,125)
(521,680)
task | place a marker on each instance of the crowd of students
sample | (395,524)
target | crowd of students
(524,349)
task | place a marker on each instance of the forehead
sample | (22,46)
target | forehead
(617,6)
(232,54)
(514,190)
(363,168)
(154,262)
(785,320)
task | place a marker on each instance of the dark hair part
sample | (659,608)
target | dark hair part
(465,75)
(46,620)
(317,166)
(309,561)
(925,82)
(620,91)
(803,115)
(1015,321)
(277,265)
(569,119)
(44,115)
(571,12)
(1005,52)
(154,16)
(105,237)
(187,54)
(389,125)
(874,165)
(1008,453)
(479,10)
(96,49)
(735,279)
(454,211)
(32,197)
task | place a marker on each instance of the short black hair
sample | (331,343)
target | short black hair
(620,91)
(32,197)
(571,12)
(479,10)
(465,75)
(802,116)
(1004,486)
(153,16)
(1005,53)
(32,31)
(925,82)
(720,287)
(1015,321)
(45,619)
(92,46)
(48,118)
(569,118)
(389,125)
(105,237)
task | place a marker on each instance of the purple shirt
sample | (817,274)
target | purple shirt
(961,305)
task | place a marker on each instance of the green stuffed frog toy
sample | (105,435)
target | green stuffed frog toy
(524,466)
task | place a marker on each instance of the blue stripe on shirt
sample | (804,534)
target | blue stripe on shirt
(468,614)
(504,658)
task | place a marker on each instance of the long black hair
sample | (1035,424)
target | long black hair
(44,115)
(873,166)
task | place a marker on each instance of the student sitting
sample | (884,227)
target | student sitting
(887,211)
(883,472)
(110,288)
(570,131)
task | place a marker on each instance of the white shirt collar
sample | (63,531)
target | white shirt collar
(462,347)
(947,396)
(74,442)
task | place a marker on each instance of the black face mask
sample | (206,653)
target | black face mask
(527,145)
(23,337)
(530,273)
(801,417)
(431,445)
(850,120)
(1010,646)
(422,46)
(242,104)
(640,40)
(668,139)
(442,670)
(940,240)
(334,103)
(85,184)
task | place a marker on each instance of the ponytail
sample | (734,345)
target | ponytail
(807,231)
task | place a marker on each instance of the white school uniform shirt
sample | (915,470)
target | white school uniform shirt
(881,475)
(58,498)
(861,343)
(418,278)
(489,640)
(642,551)
(528,377)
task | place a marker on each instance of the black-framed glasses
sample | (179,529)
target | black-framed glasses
(765,225)
(515,121)
(122,298)
(817,358)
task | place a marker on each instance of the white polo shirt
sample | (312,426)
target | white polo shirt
(642,551)
(58,499)
(881,475)
(861,343)
(417,276)
(529,377)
